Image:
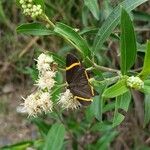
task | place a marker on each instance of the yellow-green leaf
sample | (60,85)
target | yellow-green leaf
(116,89)
(146,67)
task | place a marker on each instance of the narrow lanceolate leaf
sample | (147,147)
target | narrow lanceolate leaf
(118,118)
(122,102)
(147,110)
(146,67)
(18,146)
(128,42)
(93,7)
(72,36)
(116,90)
(34,29)
(112,21)
(55,137)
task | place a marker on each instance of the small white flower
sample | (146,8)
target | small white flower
(21,1)
(44,61)
(37,103)
(46,80)
(135,82)
(67,101)
(45,102)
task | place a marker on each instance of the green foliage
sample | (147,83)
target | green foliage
(55,137)
(116,89)
(122,102)
(112,21)
(96,107)
(128,42)
(93,7)
(18,146)
(43,127)
(71,35)
(34,29)
(104,142)
(118,118)
(146,67)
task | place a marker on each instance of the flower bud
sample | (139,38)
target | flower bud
(135,82)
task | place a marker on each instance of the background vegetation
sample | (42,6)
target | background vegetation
(17,73)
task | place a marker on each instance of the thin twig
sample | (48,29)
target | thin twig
(137,69)
(28,46)
(102,68)
(46,19)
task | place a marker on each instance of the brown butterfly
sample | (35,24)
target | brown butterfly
(78,80)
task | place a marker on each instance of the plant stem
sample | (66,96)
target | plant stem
(102,68)
(46,19)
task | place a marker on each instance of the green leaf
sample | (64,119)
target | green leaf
(18,146)
(112,21)
(123,101)
(96,107)
(104,142)
(146,89)
(97,104)
(34,29)
(93,7)
(147,110)
(146,67)
(109,107)
(55,137)
(43,127)
(116,89)
(71,35)
(128,42)
(147,82)
(118,118)
(101,127)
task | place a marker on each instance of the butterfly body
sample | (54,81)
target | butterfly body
(78,80)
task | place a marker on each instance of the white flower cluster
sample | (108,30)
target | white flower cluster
(43,62)
(46,73)
(40,101)
(30,9)
(67,100)
(37,103)
(135,82)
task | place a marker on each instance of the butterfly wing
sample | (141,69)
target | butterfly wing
(77,79)
(72,67)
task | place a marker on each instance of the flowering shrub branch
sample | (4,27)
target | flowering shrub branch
(113,84)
